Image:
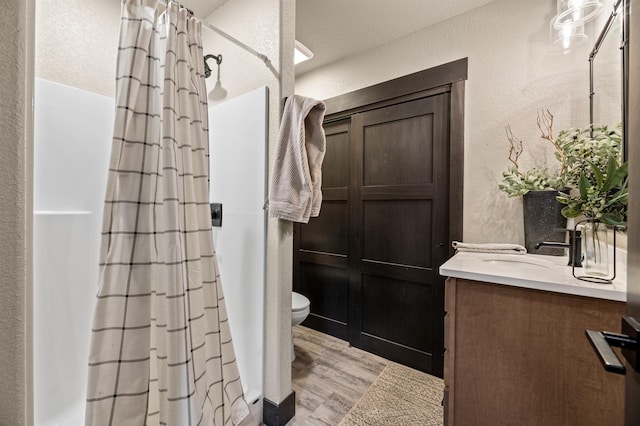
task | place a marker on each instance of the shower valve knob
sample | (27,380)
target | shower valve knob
(216,214)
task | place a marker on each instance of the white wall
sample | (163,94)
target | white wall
(511,77)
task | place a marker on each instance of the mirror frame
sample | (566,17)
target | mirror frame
(619,7)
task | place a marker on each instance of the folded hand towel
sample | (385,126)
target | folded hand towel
(502,248)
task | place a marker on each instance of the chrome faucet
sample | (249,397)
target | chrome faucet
(574,245)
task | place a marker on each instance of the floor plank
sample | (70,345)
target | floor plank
(329,377)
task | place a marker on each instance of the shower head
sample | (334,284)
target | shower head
(207,69)
(218,92)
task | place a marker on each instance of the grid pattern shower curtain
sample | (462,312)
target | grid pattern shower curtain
(161,349)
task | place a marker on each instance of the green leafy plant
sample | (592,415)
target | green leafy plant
(516,183)
(581,147)
(601,194)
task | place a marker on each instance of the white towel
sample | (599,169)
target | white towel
(502,248)
(296,177)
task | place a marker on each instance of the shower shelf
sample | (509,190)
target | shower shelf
(60,212)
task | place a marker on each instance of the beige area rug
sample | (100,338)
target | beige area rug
(399,396)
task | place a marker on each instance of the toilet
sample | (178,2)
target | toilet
(300,308)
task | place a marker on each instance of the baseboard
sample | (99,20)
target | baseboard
(279,414)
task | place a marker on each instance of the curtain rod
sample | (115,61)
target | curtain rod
(249,49)
(264,58)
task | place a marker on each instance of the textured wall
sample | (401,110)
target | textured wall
(511,77)
(16,85)
(76,43)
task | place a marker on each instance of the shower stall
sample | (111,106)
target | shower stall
(73,131)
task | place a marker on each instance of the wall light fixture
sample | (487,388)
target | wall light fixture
(302,53)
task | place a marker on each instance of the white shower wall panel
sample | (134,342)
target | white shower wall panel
(238,141)
(71,155)
(65,278)
(73,131)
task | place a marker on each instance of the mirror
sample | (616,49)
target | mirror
(608,73)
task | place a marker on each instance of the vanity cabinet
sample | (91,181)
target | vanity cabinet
(519,356)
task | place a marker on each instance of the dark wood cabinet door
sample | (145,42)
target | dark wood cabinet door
(399,231)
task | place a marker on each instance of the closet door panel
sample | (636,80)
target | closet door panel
(327,289)
(320,263)
(388,305)
(399,223)
(336,172)
(396,152)
(328,232)
(397,231)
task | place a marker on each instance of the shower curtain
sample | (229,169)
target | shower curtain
(161,350)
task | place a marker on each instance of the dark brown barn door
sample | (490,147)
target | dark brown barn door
(392,204)
(399,230)
(321,246)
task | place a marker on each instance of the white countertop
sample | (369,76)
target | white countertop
(548,273)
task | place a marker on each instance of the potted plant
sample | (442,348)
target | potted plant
(599,193)
(538,188)
(594,170)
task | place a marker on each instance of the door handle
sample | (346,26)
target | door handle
(602,341)
(608,358)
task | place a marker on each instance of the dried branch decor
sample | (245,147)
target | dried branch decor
(545,124)
(515,146)
(516,182)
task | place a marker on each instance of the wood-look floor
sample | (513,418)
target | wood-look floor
(329,377)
